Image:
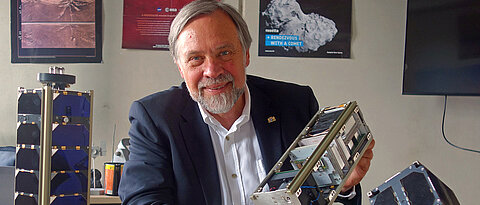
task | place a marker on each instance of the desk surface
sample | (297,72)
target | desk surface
(104,199)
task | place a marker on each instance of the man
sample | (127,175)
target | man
(212,139)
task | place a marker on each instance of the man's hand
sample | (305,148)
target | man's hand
(361,168)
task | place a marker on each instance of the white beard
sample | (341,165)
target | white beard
(222,102)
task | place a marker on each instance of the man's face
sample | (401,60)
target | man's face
(212,62)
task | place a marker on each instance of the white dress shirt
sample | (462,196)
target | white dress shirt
(238,156)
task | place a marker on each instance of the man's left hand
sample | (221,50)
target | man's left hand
(361,169)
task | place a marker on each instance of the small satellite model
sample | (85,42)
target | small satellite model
(414,185)
(54,129)
(322,156)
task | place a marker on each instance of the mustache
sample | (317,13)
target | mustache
(223,78)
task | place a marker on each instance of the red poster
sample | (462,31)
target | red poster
(146,23)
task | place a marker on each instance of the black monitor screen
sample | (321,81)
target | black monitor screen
(442,48)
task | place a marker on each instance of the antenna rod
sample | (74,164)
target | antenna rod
(113,142)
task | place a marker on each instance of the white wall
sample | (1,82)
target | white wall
(406,128)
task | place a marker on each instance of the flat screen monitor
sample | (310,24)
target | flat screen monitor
(442,48)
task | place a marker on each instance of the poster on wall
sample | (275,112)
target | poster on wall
(46,31)
(146,23)
(305,28)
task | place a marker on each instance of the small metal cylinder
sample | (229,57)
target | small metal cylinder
(56,70)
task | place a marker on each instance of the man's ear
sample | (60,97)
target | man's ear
(179,69)
(247,58)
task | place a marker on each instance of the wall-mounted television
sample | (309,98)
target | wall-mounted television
(442,48)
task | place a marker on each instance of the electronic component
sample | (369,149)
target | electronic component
(414,185)
(322,156)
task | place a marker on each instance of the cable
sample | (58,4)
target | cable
(443,130)
(318,197)
(93,165)
(311,187)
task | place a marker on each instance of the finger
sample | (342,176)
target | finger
(357,174)
(363,167)
(367,155)
(369,151)
(371,145)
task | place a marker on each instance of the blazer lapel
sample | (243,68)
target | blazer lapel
(266,120)
(200,149)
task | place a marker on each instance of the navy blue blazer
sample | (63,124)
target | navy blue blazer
(171,153)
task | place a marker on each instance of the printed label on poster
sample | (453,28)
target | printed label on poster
(146,23)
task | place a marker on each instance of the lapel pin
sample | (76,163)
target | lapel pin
(271,119)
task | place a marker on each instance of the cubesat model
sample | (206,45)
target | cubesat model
(414,185)
(322,156)
(53,142)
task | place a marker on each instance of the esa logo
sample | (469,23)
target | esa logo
(170,10)
(167,10)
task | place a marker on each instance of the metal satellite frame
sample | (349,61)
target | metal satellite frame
(322,156)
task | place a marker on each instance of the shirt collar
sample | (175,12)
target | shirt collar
(244,117)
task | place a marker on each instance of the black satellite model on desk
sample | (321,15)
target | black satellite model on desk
(322,156)
(54,129)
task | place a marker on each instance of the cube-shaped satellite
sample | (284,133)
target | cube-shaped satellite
(54,128)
